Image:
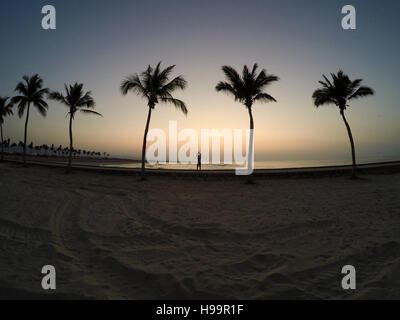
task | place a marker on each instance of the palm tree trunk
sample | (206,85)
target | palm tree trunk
(144,144)
(251,118)
(353,152)
(26,131)
(70,143)
(250,177)
(2,143)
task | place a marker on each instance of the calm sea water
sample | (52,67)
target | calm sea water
(257,164)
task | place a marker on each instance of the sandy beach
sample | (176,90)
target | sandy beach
(112,237)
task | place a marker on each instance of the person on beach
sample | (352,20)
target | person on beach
(199,161)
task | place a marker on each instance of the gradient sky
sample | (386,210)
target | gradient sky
(100,42)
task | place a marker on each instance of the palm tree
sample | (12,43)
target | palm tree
(20,147)
(46,149)
(14,147)
(31,147)
(8,144)
(339,91)
(247,89)
(76,100)
(31,93)
(155,86)
(5,110)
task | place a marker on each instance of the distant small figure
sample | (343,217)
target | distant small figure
(199,161)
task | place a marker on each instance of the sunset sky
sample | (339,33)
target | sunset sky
(100,42)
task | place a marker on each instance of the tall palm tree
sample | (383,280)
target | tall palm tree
(76,100)
(340,91)
(155,86)
(31,93)
(5,110)
(247,89)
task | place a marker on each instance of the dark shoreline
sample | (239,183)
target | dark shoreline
(323,171)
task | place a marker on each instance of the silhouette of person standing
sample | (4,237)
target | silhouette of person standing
(199,161)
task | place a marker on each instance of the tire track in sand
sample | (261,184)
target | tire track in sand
(103,271)
(15,231)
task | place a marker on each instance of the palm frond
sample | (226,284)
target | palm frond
(164,74)
(22,88)
(227,88)
(265,79)
(232,75)
(329,84)
(133,83)
(322,96)
(155,86)
(246,76)
(176,83)
(362,92)
(355,84)
(179,104)
(249,87)
(264,97)
(40,93)
(254,70)
(86,101)
(31,91)
(57,96)
(21,107)
(87,111)
(5,108)
(41,107)
(339,90)
(75,99)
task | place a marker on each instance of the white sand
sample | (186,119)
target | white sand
(113,237)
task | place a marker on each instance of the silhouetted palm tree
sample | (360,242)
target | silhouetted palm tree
(31,147)
(247,89)
(8,144)
(76,100)
(5,110)
(31,93)
(20,147)
(14,147)
(154,85)
(339,91)
(46,149)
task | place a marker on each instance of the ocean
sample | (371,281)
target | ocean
(281,164)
